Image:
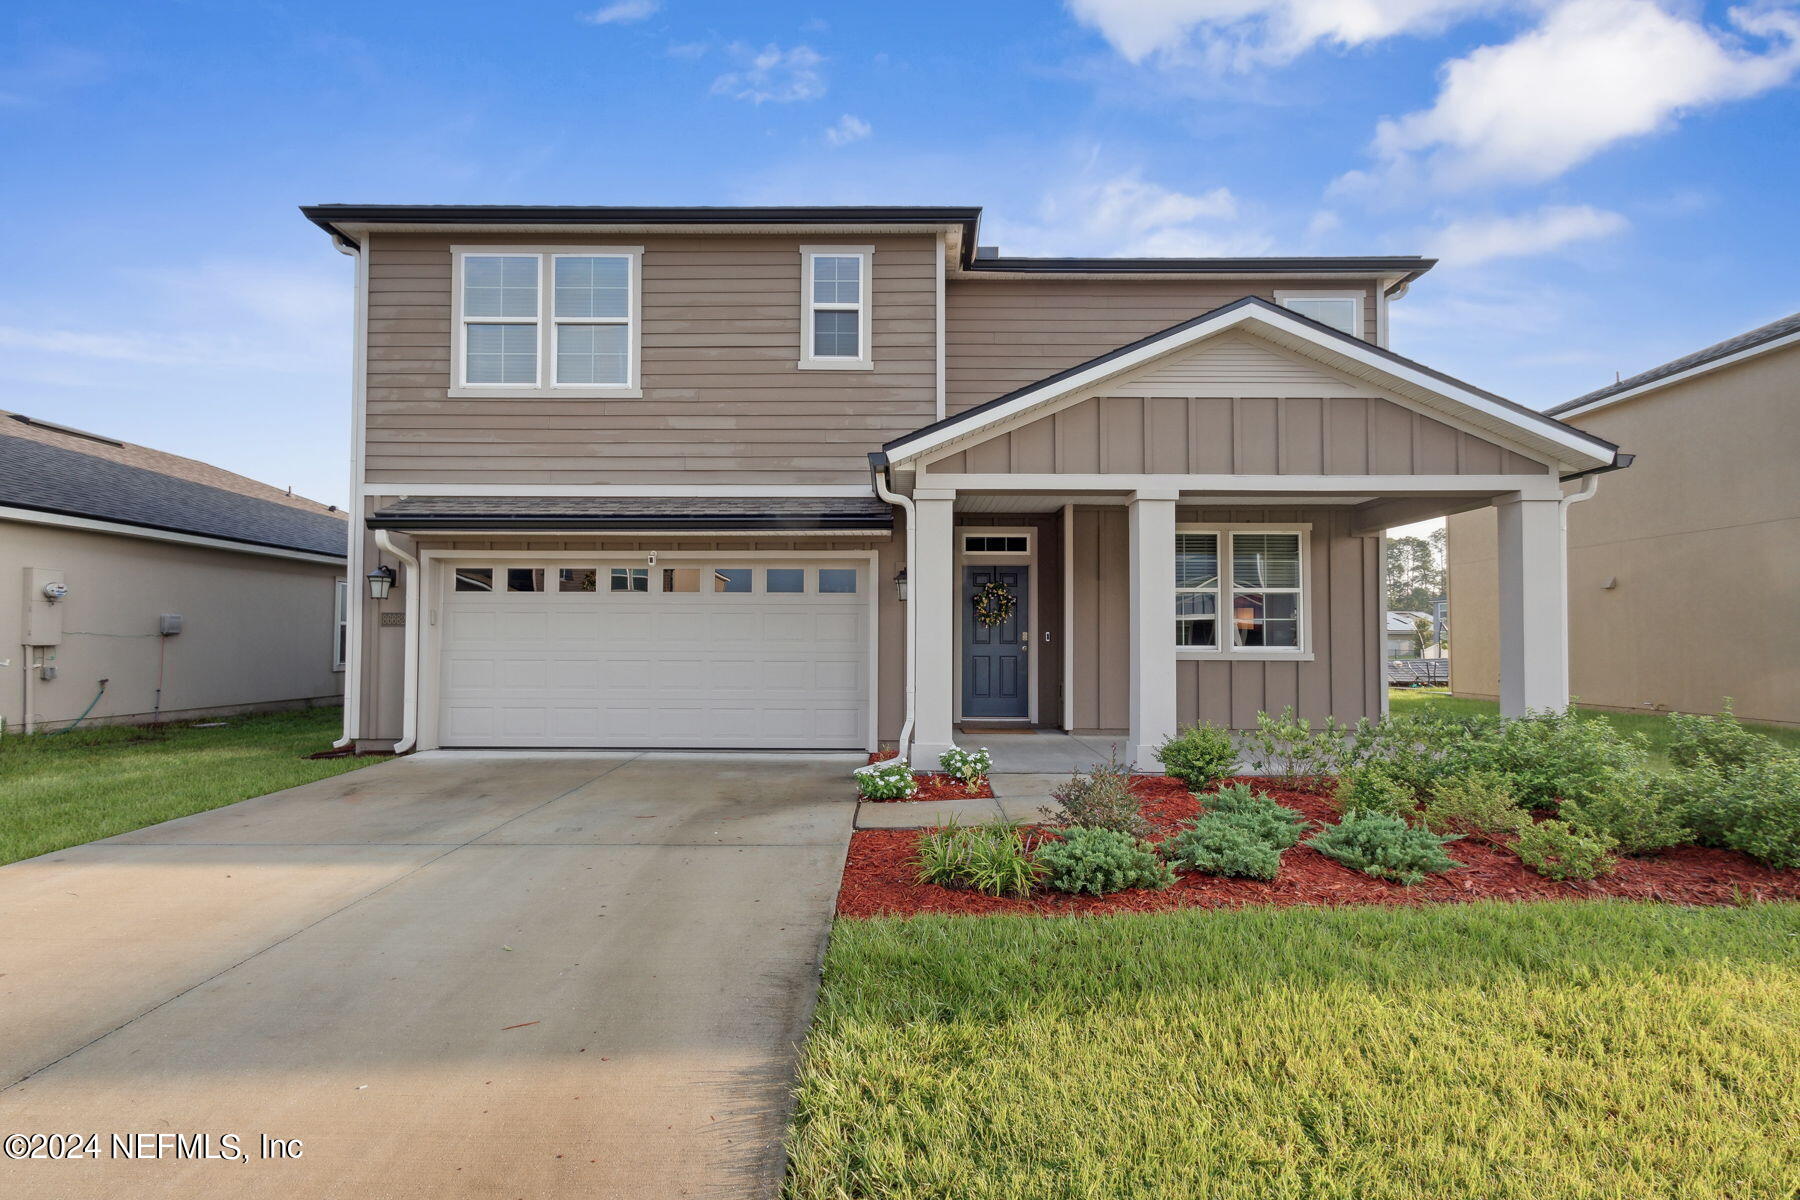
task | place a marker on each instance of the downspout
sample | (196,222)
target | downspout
(409,698)
(353,549)
(878,468)
(1590,484)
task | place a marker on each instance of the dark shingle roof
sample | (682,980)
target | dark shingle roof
(635,512)
(1687,362)
(50,478)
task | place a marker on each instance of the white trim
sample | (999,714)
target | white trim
(414,585)
(1027,558)
(743,490)
(1227,650)
(639,535)
(1151,527)
(1543,486)
(1381,317)
(544,386)
(940,323)
(1681,376)
(340,625)
(865,356)
(28,516)
(1584,450)
(426,698)
(1357,328)
(355,535)
(1068,629)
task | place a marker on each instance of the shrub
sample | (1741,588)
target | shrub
(1755,809)
(1373,789)
(1721,740)
(890,779)
(1557,850)
(1416,749)
(1225,844)
(992,859)
(1633,815)
(1101,799)
(1476,802)
(970,766)
(1276,824)
(1549,757)
(1289,748)
(1384,846)
(1100,861)
(1199,755)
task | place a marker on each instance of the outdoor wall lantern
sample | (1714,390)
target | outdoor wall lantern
(900,584)
(381,581)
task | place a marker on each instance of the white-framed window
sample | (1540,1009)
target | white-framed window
(1242,591)
(547,321)
(834,307)
(340,626)
(1342,311)
(996,543)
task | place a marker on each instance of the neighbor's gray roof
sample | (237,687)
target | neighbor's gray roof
(635,512)
(1687,362)
(37,475)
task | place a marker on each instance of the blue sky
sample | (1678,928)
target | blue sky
(1609,182)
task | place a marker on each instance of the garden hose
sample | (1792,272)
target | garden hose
(84,712)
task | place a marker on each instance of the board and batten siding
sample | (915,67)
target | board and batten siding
(723,398)
(1003,334)
(1237,435)
(1343,678)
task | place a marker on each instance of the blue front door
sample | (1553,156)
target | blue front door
(995,673)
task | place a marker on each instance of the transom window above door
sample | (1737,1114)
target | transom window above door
(547,322)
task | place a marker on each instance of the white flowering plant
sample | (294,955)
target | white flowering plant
(890,779)
(970,766)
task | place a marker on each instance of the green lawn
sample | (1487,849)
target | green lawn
(1654,726)
(63,789)
(1458,1052)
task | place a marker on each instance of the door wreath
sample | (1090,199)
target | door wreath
(994,604)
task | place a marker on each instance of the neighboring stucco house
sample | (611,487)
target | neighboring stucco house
(142,585)
(1685,570)
(828,477)
(1403,633)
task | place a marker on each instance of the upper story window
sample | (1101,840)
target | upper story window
(834,332)
(551,322)
(1340,310)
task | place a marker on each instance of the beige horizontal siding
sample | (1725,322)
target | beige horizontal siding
(723,398)
(1004,334)
(1243,435)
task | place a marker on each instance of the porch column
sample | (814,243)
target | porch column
(1533,626)
(1152,537)
(932,595)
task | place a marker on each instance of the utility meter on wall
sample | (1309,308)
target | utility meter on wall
(54,591)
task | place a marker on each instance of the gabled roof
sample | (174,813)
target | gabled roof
(51,469)
(1562,443)
(1761,340)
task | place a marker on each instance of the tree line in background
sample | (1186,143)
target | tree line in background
(1415,572)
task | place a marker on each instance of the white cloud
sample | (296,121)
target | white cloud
(848,129)
(772,73)
(1593,73)
(1129,215)
(1239,34)
(622,12)
(1473,240)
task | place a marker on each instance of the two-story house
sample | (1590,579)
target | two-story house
(833,477)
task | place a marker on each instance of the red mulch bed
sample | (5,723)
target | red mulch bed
(935,785)
(880,874)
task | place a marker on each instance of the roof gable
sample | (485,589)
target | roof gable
(1337,354)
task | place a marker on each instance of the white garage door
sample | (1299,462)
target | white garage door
(727,654)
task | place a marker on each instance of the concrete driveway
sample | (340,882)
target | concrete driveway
(503,975)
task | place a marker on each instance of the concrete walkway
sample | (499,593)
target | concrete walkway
(497,975)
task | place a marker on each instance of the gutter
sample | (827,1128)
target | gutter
(850,524)
(1620,461)
(878,475)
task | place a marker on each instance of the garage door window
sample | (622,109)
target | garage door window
(681,579)
(630,579)
(731,579)
(576,579)
(474,579)
(524,579)
(785,580)
(837,581)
